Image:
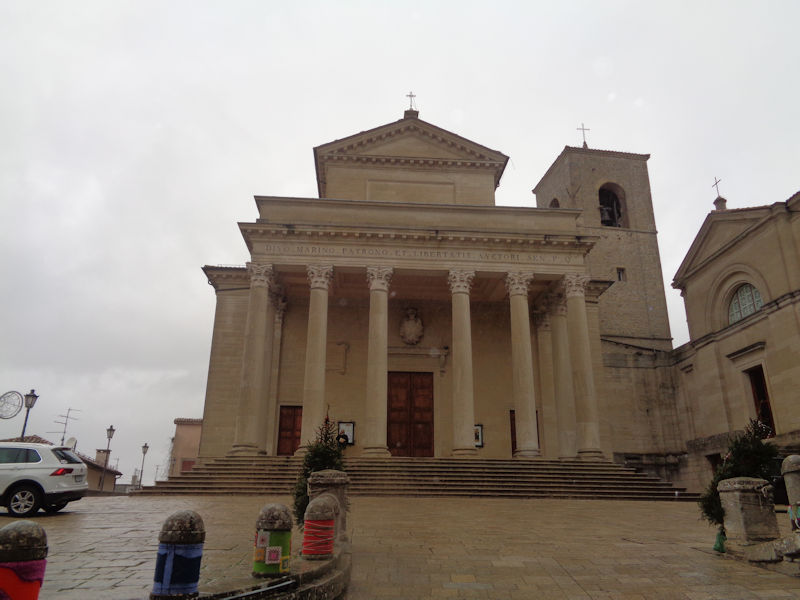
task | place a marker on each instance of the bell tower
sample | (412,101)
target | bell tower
(612,189)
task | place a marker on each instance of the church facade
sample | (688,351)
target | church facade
(426,321)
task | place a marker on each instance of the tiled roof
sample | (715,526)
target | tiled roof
(35,439)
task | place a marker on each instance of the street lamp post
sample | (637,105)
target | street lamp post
(145,448)
(109,434)
(30,401)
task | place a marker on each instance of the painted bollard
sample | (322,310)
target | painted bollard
(273,545)
(319,529)
(180,550)
(23,550)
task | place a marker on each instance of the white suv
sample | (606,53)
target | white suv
(34,476)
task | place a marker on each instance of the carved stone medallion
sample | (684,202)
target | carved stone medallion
(411,329)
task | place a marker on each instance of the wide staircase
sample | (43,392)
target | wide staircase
(488,478)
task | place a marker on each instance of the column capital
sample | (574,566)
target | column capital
(261,275)
(277,293)
(460,281)
(517,282)
(557,304)
(319,276)
(378,278)
(575,285)
(541,320)
(280,308)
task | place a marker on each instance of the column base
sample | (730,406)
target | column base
(465,452)
(376,452)
(301,451)
(528,453)
(591,454)
(245,450)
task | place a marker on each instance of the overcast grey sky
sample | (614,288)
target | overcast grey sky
(133,136)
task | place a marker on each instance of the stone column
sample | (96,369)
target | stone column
(251,416)
(273,363)
(377,362)
(543,373)
(319,278)
(587,419)
(463,394)
(522,365)
(562,373)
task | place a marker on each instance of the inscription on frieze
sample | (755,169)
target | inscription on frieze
(343,251)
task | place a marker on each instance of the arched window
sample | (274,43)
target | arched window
(554,203)
(612,203)
(745,301)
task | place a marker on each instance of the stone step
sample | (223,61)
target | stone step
(195,479)
(433,477)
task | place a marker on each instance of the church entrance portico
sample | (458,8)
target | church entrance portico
(406,313)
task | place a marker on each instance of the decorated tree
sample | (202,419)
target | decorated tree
(748,456)
(323,453)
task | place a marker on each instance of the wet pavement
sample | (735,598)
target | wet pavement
(423,548)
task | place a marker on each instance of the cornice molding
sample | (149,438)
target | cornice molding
(252,231)
(402,128)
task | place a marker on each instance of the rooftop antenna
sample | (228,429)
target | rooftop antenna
(66,418)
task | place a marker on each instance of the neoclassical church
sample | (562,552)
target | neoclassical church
(427,321)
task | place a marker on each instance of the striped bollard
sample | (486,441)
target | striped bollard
(319,529)
(23,549)
(180,550)
(273,545)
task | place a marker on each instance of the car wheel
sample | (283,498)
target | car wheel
(24,501)
(54,508)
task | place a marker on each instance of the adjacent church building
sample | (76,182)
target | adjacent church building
(427,321)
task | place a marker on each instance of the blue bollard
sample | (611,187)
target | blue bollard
(180,550)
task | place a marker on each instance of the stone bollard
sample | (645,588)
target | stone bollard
(790,469)
(749,510)
(319,530)
(180,550)
(23,549)
(273,546)
(332,482)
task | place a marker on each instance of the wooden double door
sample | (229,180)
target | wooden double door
(290,423)
(409,422)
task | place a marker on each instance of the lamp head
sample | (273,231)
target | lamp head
(30,399)
(110,432)
(145,448)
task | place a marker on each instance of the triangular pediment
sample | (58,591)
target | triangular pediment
(408,141)
(413,144)
(719,230)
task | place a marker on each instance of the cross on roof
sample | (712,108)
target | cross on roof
(583,130)
(716,184)
(411,96)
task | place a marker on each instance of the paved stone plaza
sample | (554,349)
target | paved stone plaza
(424,548)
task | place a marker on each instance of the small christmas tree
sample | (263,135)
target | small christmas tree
(323,453)
(748,456)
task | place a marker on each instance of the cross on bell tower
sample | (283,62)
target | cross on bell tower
(583,130)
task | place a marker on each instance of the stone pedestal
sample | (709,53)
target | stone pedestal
(790,469)
(334,483)
(749,510)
